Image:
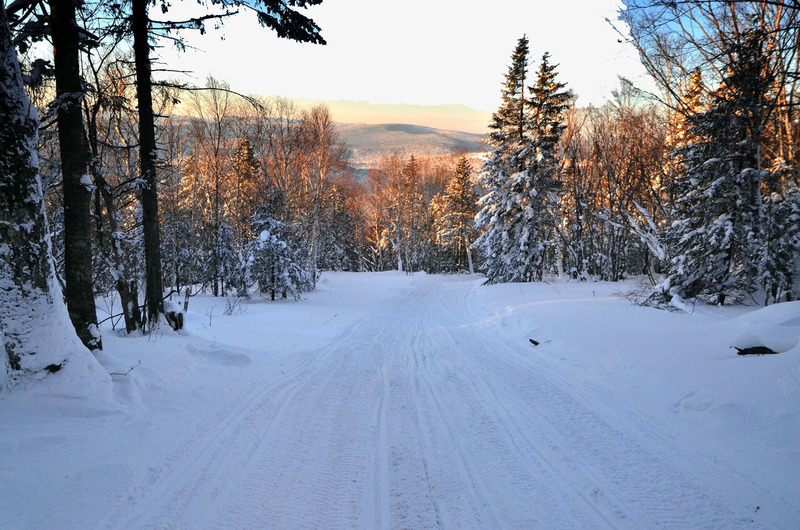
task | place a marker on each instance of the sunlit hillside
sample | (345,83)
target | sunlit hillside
(369,143)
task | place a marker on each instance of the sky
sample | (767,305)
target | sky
(434,53)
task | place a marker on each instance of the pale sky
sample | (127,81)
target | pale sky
(418,52)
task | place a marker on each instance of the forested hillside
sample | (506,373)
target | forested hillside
(369,143)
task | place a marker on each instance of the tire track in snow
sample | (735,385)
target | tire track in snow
(376,498)
(197,473)
(492,443)
(415,418)
(314,467)
(320,457)
(639,470)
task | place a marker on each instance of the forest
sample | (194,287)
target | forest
(156,191)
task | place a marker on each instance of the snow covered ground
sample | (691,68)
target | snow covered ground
(397,401)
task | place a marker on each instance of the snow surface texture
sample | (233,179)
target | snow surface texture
(397,401)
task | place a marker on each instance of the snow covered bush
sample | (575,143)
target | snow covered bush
(271,262)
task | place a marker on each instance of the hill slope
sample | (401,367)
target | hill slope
(368,143)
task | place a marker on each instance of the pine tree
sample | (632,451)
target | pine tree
(716,239)
(455,225)
(780,266)
(507,139)
(542,180)
(510,124)
(245,194)
(518,212)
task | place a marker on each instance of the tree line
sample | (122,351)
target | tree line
(90,34)
(695,187)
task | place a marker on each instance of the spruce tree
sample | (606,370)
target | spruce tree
(509,123)
(455,226)
(507,140)
(716,239)
(542,180)
(779,268)
(518,211)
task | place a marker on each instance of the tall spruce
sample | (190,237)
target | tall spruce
(507,140)
(522,178)
(716,240)
(542,180)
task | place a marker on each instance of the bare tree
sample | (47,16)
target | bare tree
(677,39)
(326,160)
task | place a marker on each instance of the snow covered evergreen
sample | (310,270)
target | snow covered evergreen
(780,259)
(455,223)
(518,213)
(716,241)
(271,262)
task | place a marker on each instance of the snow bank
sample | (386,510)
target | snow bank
(73,372)
(679,367)
(777,327)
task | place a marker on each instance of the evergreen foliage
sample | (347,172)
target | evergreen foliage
(780,265)
(716,239)
(518,213)
(455,223)
(271,262)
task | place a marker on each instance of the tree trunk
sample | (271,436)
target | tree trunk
(104,197)
(154,289)
(469,255)
(126,287)
(77,186)
(35,332)
(314,254)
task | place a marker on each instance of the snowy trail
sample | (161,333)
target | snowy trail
(424,416)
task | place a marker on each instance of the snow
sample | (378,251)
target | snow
(394,400)
(86,182)
(775,327)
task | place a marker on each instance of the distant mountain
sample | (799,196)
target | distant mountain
(369,143)
(449,117)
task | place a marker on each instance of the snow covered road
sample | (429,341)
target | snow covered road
(424,415)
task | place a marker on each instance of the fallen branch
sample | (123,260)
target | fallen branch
(129,370)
